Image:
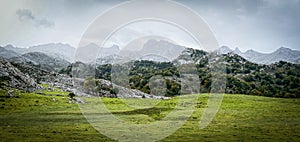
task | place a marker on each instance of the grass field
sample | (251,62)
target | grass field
(48,116)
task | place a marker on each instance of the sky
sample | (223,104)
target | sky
(261,25)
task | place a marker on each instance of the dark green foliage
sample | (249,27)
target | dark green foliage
(71,95)
(142,71)
(281,79)
(104,72)
(66,70)
(139,73)
(113,91)
(243,77)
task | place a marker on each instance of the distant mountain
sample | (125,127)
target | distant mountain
(237,51)
(224,50)
(55,50)
(4,53)
(41,60)
(16,49)
(251,55)
(162,48)
(61,52)
(113,50)
(91,52)
(281,54)
(151,50)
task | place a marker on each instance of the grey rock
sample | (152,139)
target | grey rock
(12,77)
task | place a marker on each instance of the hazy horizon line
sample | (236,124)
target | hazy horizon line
(224,45)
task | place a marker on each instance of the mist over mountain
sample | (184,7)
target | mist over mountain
(152,50)
(55,50)
(45,61)
(155,50)
(281,54)
(41,60)
(162,48)
(4,53)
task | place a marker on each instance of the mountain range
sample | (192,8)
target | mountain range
(281,54)
(55,50)
(23,68)
(39,59)
(151,50)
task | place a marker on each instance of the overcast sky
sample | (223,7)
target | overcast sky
(262,25)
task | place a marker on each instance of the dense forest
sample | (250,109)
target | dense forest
(281,79)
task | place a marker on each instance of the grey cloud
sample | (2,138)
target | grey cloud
(252,23)
(26,14)
(248,24)
(45,23)
(251,6)
(230,6)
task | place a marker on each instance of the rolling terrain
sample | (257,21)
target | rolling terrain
(261,102)
(50,116)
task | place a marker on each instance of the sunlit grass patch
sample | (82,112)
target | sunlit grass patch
(39,117)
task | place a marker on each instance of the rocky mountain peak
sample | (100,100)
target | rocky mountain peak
(283,50)
(237,51)
(224,50)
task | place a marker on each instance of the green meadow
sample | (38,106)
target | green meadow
(50,116)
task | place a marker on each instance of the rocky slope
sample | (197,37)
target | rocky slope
(41,60)
(12,77)
(29,76)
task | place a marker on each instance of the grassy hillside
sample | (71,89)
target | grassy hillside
(48,116)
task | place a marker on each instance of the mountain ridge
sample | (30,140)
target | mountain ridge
(67,52)
(281,54)
(243,77)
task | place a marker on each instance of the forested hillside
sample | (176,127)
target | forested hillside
(281,79)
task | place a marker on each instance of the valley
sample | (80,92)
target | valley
(150,70)
(261,101)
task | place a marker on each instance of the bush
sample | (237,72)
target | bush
(71,95)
